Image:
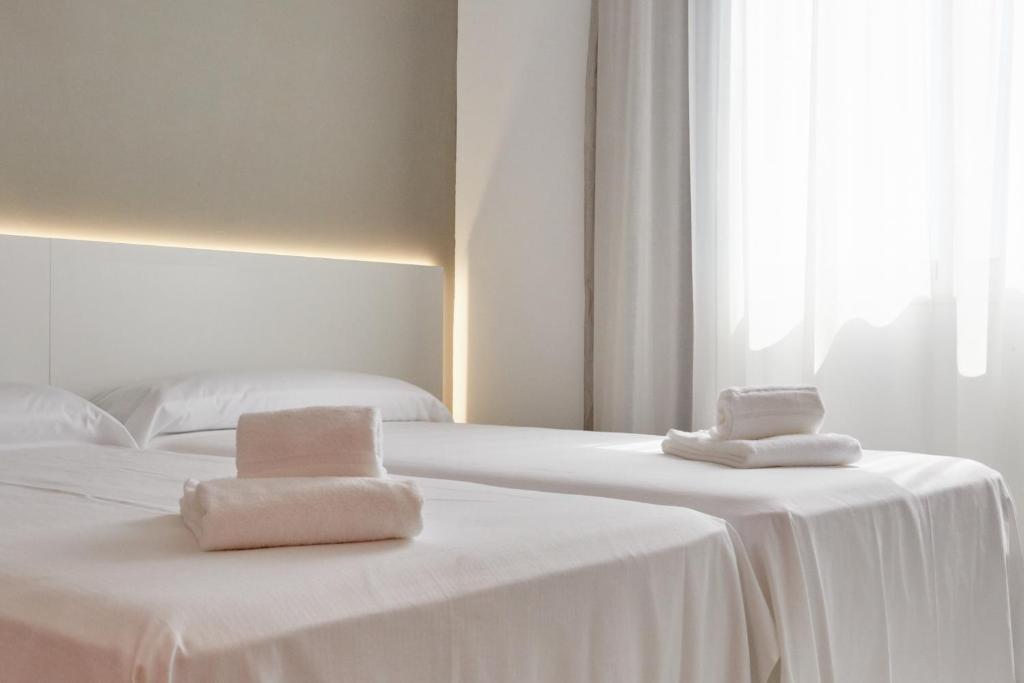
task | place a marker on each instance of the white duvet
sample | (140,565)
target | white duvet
(903,568)
(100,581)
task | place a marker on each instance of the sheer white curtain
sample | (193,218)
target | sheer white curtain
(858,190)
(642,297)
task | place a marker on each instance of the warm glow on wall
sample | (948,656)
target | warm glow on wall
(460,335)
(90,233)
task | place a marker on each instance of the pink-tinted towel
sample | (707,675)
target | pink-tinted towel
(228,514)
(341,441)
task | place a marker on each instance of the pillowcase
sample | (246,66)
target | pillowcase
(40,414)
(205,401)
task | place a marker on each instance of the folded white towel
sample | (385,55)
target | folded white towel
(757,412)
(310,442)
(227,514)
(789,450)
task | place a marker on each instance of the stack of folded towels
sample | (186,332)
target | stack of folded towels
(766,427)
(305,476)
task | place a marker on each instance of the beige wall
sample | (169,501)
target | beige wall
(317,126)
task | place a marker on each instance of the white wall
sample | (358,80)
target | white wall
(519,211)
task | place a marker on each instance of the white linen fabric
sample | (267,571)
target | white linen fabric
(100,581)
(232,513)
(787,450)
(858,196)
(642,297)
(219,442)
(340,441)
(758,412)
(38,414)
(201,401)
(901,568)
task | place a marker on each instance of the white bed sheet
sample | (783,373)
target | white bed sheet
(100,581)
(902,568)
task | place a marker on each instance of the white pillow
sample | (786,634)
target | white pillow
(39,414)
(199,402)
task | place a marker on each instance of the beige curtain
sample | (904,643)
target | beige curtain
(640,308)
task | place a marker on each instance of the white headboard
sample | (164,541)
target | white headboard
(88,316)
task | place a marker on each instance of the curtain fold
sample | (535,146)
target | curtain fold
(858,221)
(642,295)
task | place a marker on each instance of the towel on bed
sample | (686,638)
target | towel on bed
(339,441)
(759,412)
(790,450)
(227,514)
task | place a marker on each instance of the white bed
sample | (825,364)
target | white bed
(903,568)
(101,581)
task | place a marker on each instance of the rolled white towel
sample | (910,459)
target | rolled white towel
(759,412)
(231,514)
(339,441)
(788,450)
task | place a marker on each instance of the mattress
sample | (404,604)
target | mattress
(902,568)
(100,581)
